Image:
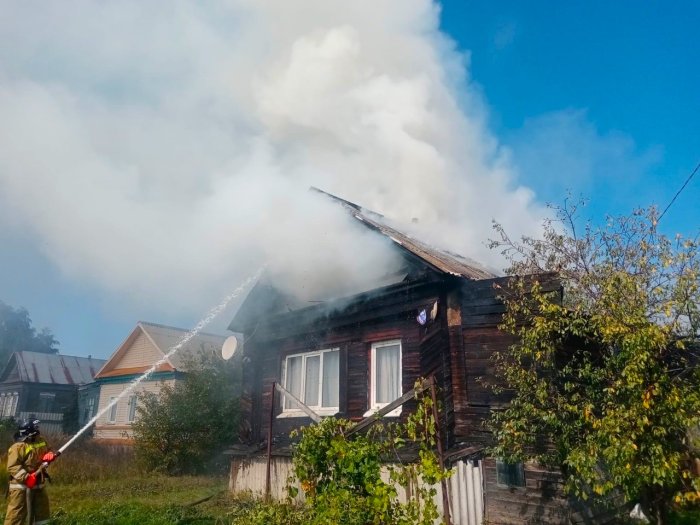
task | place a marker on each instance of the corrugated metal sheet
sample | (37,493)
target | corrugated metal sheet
(466,493)
(465,485)
(36,367)
(447,262)
(249,475)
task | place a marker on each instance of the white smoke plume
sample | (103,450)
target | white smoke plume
(163,150)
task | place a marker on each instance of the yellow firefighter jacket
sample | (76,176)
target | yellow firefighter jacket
(23,458)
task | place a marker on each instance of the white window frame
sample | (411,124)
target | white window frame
(112,417)
(131,416)
(12,408)
(90,405)
(50,398)
(373,405)
(320,410)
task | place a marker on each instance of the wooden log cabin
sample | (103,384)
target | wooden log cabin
(351,356)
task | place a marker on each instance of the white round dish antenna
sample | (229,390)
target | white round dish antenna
(229,347)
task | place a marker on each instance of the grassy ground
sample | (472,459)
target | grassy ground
(102,485)
(94,485)
(146,499)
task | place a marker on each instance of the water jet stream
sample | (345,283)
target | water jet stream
(211,315)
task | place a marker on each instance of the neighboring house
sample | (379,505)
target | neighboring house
(45,386)
(88,401)
(145,346)
(351,356)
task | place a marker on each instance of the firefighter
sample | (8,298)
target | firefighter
(26,494)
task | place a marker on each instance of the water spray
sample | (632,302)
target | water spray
(211,315)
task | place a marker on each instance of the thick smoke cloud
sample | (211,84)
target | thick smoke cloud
(164,150)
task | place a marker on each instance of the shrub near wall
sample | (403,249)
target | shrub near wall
(341,475)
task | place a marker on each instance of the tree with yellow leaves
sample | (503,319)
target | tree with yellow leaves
(605,377)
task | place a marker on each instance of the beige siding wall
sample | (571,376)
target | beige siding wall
(141,353)
(119,429)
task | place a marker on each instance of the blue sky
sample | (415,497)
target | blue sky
(596,98)
(621,77)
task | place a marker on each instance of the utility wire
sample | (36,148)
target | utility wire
(679,192)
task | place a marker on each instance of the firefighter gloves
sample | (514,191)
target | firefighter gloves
(49,457)
(31,480)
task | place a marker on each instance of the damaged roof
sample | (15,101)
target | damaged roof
(57,369)
(443,261)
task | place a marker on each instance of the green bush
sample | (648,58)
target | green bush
(341,476)
(184,428)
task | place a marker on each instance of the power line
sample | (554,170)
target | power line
(679,192)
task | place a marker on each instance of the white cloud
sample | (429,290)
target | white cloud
(162,150)
(563,151)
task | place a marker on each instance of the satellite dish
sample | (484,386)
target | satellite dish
(229,347)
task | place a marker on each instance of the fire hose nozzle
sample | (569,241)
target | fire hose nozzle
(45,464)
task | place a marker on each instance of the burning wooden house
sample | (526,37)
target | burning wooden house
(351,357)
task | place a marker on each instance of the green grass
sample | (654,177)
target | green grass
(145,499)
(96,485)
(689,517)
(100,485)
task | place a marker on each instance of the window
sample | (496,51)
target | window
(313,379)
(113,410)
(90,409)
(132,409)
(10,404)
(3,397)
(385,375)
(46,401)
(510,474)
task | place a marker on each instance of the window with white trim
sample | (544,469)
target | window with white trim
(312,377)
(11,404)
(385,375)
(90,409)
(113,410)
(46,401)
(132,409)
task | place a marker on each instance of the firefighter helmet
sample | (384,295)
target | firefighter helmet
(28,428)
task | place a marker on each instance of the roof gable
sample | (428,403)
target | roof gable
(167,337)
(421,259)
(38,367)
(149,343)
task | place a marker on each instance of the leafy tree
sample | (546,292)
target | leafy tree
(341,475)
(17,334)
(186,426)
(605,382)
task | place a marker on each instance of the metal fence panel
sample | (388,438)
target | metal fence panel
(465,485)
(466,493)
